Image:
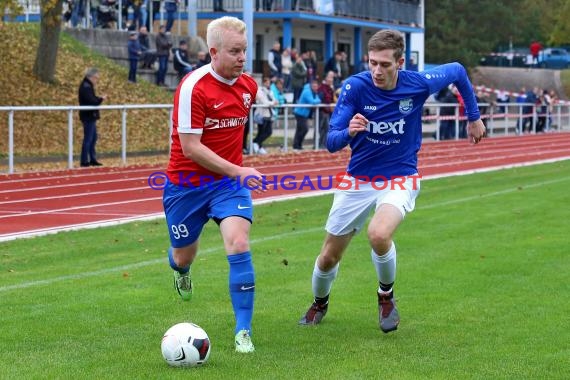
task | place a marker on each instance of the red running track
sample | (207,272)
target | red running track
(40,203)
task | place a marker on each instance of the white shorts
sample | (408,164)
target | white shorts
(353,201)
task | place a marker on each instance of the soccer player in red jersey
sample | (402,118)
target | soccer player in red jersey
(206,178)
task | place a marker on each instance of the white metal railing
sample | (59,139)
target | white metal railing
(70,125)
(504,119)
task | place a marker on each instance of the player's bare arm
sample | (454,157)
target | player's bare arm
(357,124)
(205,157)
(476,131)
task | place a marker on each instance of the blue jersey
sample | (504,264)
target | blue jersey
(390,145)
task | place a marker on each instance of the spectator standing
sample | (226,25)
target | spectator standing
(154,10)
(334,65)
(447,114)
(548,100)
(363,64)
(294,54)
(503,98)
(274,61)
(148,56)
(298,76)
(286,66)
(278,92)
(263,116)
(77,12)
(535,48)
(180,59)
(219,6)
(163,45)
(553,100)
(136,6)
(93,9)
(143,14)
(344,66)
(520,99)
(542,107)
(170,6)
(89,118)
(528,110)
(309,96)
(482,99)
(265,5)
(462,132)
(135,52)
(311,63)
(326,93)
(67,10)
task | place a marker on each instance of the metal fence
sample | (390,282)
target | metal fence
(504,119)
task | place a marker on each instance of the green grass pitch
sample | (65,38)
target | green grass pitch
(483,289)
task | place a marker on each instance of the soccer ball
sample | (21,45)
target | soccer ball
(185,345)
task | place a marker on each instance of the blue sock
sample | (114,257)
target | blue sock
(242,289)
(173,264)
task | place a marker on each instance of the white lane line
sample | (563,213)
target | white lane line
(83,194)
(41,232)
(144,263)
(255,241)
(77,174)
(97,205)
(81,213)
(79,226)
(136,218)
(74,185)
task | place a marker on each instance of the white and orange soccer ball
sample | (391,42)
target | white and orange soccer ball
(185,345)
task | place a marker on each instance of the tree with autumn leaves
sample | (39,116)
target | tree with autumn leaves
(50,28)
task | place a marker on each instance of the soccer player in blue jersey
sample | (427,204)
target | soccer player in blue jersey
(379,115)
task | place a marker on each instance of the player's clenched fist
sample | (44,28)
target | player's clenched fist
(357,124)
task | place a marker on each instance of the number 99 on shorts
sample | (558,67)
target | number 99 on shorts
(179,231)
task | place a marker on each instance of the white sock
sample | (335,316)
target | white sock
(385,265)
(322,281)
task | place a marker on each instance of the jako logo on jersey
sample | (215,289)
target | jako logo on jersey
(369,108)
(246,100)
(381,127)
(224,123)
(406,105)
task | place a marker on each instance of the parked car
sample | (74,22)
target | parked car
(517,57)
(554,58)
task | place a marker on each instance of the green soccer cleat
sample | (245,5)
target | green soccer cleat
(183,285)
(243,342)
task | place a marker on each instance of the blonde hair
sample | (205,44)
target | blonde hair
(216,29)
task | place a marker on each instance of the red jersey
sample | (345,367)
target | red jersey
(216,108)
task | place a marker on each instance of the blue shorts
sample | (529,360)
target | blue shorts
(188,209)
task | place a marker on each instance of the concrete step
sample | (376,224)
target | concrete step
(113,44)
